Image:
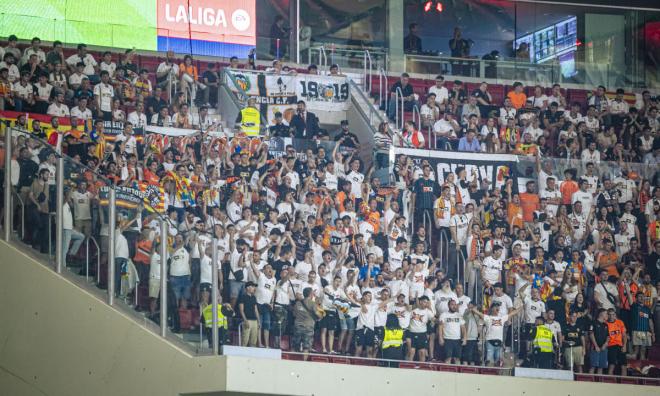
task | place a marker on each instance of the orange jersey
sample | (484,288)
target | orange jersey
(515,215)
(518,100)
(608,262)
(567,189)
(617,331)
(529,203)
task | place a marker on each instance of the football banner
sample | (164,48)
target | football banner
(493,168)
(329,93)
(130,198)
(280,92)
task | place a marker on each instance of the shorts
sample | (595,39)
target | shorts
(154,288)
(235,288)
(195,271)
(181,286)
(641,338)
(471,352)
(205,287)
(615,356)
(302,336)
(348,323)
(364,337)
(431,328)
(379,333)
(330,321)
(576,352)
(452,349)
(418,340)
(265,315)
(598,359)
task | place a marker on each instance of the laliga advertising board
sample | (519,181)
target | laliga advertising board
(216,27)
(210,27)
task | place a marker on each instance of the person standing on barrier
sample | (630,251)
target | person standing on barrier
(392,347)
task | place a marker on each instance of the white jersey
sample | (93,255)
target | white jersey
(265,289)
(533,309)
(451,325)
(495,327)
(419,320)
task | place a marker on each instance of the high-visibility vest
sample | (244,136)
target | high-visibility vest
(393,338)
(207,313)
(543,339)
(250,121)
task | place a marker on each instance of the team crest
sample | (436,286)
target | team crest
(243,82)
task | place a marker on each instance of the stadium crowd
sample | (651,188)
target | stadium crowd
(313,247)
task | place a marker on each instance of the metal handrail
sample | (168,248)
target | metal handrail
(417,118)
(356,90)
(444,247)
(382,79)
(399,122)
(323,57)
(430,230)
(98,257)
(460,259)
(22,204)
(367,71)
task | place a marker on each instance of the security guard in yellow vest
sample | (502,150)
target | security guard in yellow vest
(543,344)
(393,340)
(249,119)
(224,311)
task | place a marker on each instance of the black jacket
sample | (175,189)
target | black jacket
(305,128)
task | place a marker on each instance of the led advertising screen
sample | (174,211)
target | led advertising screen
(208,27)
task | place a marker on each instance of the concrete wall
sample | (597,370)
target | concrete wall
(58,339)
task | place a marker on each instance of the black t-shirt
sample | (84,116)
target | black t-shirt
(407,90)
(249,302)
(211,76)
(479,94)
(243,171)
(573,333)
(600,331)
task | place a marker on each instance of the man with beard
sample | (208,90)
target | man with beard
(451,333)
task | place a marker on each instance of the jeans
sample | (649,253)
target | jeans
(121,266)
(71,236)
(493,353)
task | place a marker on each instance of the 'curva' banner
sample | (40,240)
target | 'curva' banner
(277,92)
(491,167)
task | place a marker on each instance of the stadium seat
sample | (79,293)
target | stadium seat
(651,381)
(629,380)
(608,379)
